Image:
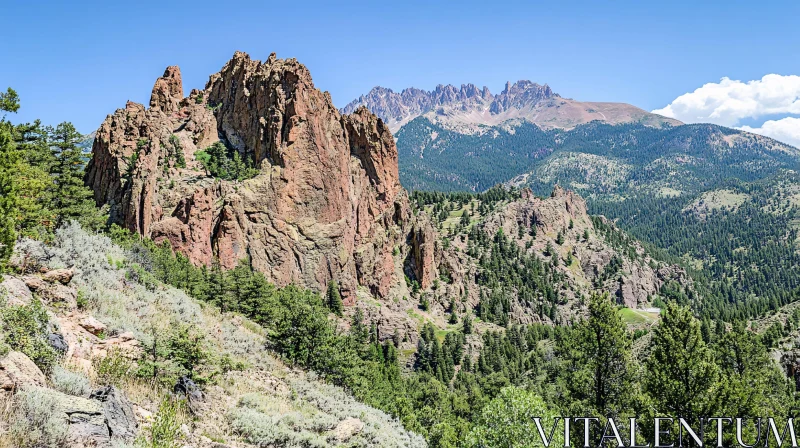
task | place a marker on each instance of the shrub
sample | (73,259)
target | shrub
(226,164)
(177,151)
(112,369)
(300,325)
(36,422)
(69,382)
(424,303)
(25,328)
(164,432)
(188,348)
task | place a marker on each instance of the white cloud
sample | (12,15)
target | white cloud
(786,130)
(729,101)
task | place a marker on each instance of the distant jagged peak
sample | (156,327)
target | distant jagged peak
(397,108)
(467,108)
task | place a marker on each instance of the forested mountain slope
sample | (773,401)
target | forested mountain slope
(721,202)
(593,159)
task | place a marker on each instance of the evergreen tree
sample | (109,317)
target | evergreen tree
(467,324)
(187,346)
(334,299)
(682,378)
(9,102)
(508,421)
(71,200)
(36,218)
(753,385)
(599,367)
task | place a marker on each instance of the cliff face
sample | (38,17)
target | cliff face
(326,204)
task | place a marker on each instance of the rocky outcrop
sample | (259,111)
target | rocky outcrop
(326,203)
(619,266)
(104,420)
(168,91)
(423,246)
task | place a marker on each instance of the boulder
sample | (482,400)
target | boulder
(98,421)
(17,292)
(85,417)
(347,428)
(188,388)
(93,325)
(119,414)
(17,370)
(33,282)
(63,276)
(56,340)
(58,293)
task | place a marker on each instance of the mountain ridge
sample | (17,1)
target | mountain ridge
(468,108)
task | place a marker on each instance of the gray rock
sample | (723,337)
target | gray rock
(56,340)
(86,419)
(119,414)
(186,387)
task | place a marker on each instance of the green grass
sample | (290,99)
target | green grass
(632,317)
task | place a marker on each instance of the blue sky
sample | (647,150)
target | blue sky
(81,62)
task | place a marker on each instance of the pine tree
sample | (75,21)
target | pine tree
(36,218)
(467,324)
(598,355)
(9,158)
(187,347)
(334,299)
(682,378)
(70,199)
(752,385)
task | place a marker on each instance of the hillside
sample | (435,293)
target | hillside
(593,159)
(107,320)
(470,110)
(718,201)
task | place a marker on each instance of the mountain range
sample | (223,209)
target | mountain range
(469,109)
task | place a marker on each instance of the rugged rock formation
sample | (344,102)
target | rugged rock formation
(326,204)
(636,277)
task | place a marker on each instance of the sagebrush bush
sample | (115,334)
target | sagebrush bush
(276,430)
(35,421)
(69,382)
